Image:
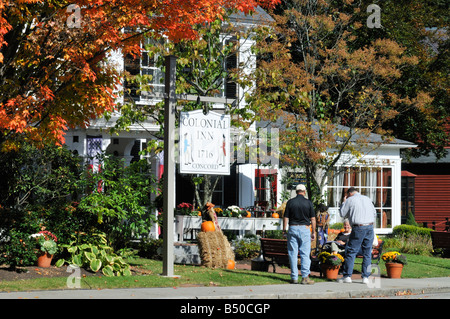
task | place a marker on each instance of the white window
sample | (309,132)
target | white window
(145,67)
(374,182)
(148,67)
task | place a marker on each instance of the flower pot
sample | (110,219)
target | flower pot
(394,270)
(44,260)
(330,272)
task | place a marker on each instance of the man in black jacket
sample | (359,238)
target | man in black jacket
(300,215)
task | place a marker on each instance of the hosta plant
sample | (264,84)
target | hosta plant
(96,257)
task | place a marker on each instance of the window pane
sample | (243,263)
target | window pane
(354,177)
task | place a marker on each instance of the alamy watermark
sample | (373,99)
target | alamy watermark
(246,147)
(74,280)
(73,20)
(375,277)
(374,20)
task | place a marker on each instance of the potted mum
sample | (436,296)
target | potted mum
(330,264)
(234,211)
(185,209)
(47,247)
(394,263)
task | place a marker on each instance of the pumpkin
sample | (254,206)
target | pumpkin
(275,215)
(231,264)
(208,226)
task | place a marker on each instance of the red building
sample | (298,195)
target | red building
(426,189)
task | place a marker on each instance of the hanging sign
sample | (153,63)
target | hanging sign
(204,143)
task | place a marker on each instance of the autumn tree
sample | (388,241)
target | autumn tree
(53,73)
(422,29)
(327,94)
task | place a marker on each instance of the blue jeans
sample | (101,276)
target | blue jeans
(299,241)
(360,241)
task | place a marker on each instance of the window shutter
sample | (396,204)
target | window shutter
(230,63)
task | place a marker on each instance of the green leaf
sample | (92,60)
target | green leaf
(90,256)
(94,250)
(95,265)
(126,272)
(77,260)
(108,271)
(60,262)
(116,267)
(109,259)
(72,249)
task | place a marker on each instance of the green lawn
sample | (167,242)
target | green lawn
(418,267)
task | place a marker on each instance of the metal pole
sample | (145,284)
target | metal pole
(169,166)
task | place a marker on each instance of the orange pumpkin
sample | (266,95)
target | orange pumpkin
(231,264)
(275,215)
(208,226)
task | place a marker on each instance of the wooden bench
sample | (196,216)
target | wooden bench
(440,239)
(274,251)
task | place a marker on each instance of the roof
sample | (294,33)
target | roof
(259,16)
(408,174)
(430,159)
(373,137)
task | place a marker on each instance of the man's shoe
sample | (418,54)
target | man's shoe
(307,281)
(294,281)
(346,280)
(365,280)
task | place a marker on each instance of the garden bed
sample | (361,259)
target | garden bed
(33,272)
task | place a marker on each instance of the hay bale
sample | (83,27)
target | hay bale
(215,250)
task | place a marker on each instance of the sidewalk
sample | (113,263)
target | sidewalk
(334,290)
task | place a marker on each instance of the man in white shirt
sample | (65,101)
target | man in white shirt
(361,213)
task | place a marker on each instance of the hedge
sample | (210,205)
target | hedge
(408,230)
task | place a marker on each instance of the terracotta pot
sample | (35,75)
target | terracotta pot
(330,272)
(394,270)
(44,260)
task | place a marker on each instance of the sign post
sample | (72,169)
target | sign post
(169,166)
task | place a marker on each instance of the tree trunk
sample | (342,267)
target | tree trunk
(209,185)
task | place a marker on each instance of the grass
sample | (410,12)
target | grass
(418,267)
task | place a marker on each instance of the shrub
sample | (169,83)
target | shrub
(246,248)
(150,248)
(410,239)
(411,220)
(18,250)
(408,230)
(417,245)
(276,234)
(123,208)
(37,185)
